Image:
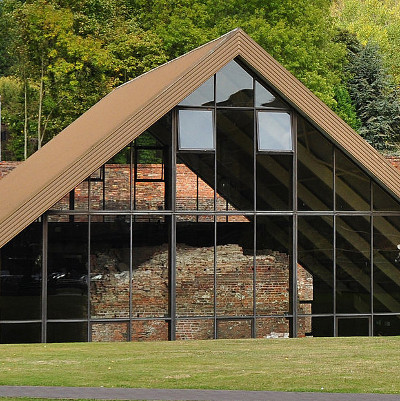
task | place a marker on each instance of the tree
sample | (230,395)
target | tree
(56,60)
(375,21)
(376,98)
(13,103)
(298,33)
(66,59)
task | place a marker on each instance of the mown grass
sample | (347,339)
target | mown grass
(307,364)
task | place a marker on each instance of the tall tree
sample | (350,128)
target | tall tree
(53,57)
(373,20)
(376,98)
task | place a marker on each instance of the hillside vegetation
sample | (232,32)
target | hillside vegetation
(58,57)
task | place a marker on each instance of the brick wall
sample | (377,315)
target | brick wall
(195,293)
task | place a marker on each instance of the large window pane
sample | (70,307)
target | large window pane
(273,265)
(149,330)
(202,96)
(195,181)
(109,267)
(315,169)
(235,158)
(352,185)
(117,181)
(21,275)
(234,329)
(115,332)
(274,182)
(67,269)
(311,326)
(196,130)
(150,280)
(235,267)
(195,329)
(110,184)
(273,327)
(150,173)
(387,325)
(265,98)
(274,131)
(315,264)
(20,333)
(383,201)
(195,266)
(386,264)
(353,326)
(67,332)
(234,86)
(353,270)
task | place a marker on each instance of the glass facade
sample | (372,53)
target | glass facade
(231,217)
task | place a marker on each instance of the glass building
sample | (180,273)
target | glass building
(214,197)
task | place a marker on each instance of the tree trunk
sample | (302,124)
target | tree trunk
(39,126)
(25,119)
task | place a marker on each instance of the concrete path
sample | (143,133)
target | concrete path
(101,393)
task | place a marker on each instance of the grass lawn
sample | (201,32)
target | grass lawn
(306,364)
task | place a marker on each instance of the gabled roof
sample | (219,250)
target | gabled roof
(112,123)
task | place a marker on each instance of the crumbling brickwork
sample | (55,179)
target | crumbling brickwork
(195,292)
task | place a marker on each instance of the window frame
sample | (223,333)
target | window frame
(178,128)
(260,150)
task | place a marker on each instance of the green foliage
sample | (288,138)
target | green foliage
(345,108)
(375,97)
(375,21)
(67,54)
(298,33)
(12,108)
(69,68)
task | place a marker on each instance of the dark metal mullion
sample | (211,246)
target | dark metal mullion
(371,320)
(335,328)
(197,197)
(132,190)
(44,277)
(294,225)
(215,278)
(104,186)
(215,207)
(255,142)
(135,165)
(172,231)
(130,176)
(372,275)
(89,250)
(130,276)
(172,277)
(254,322)
(89,317)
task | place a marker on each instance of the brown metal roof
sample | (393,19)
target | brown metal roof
(126,112)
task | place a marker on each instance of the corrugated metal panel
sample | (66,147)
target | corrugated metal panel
(126,112)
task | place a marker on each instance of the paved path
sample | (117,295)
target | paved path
(101,393)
